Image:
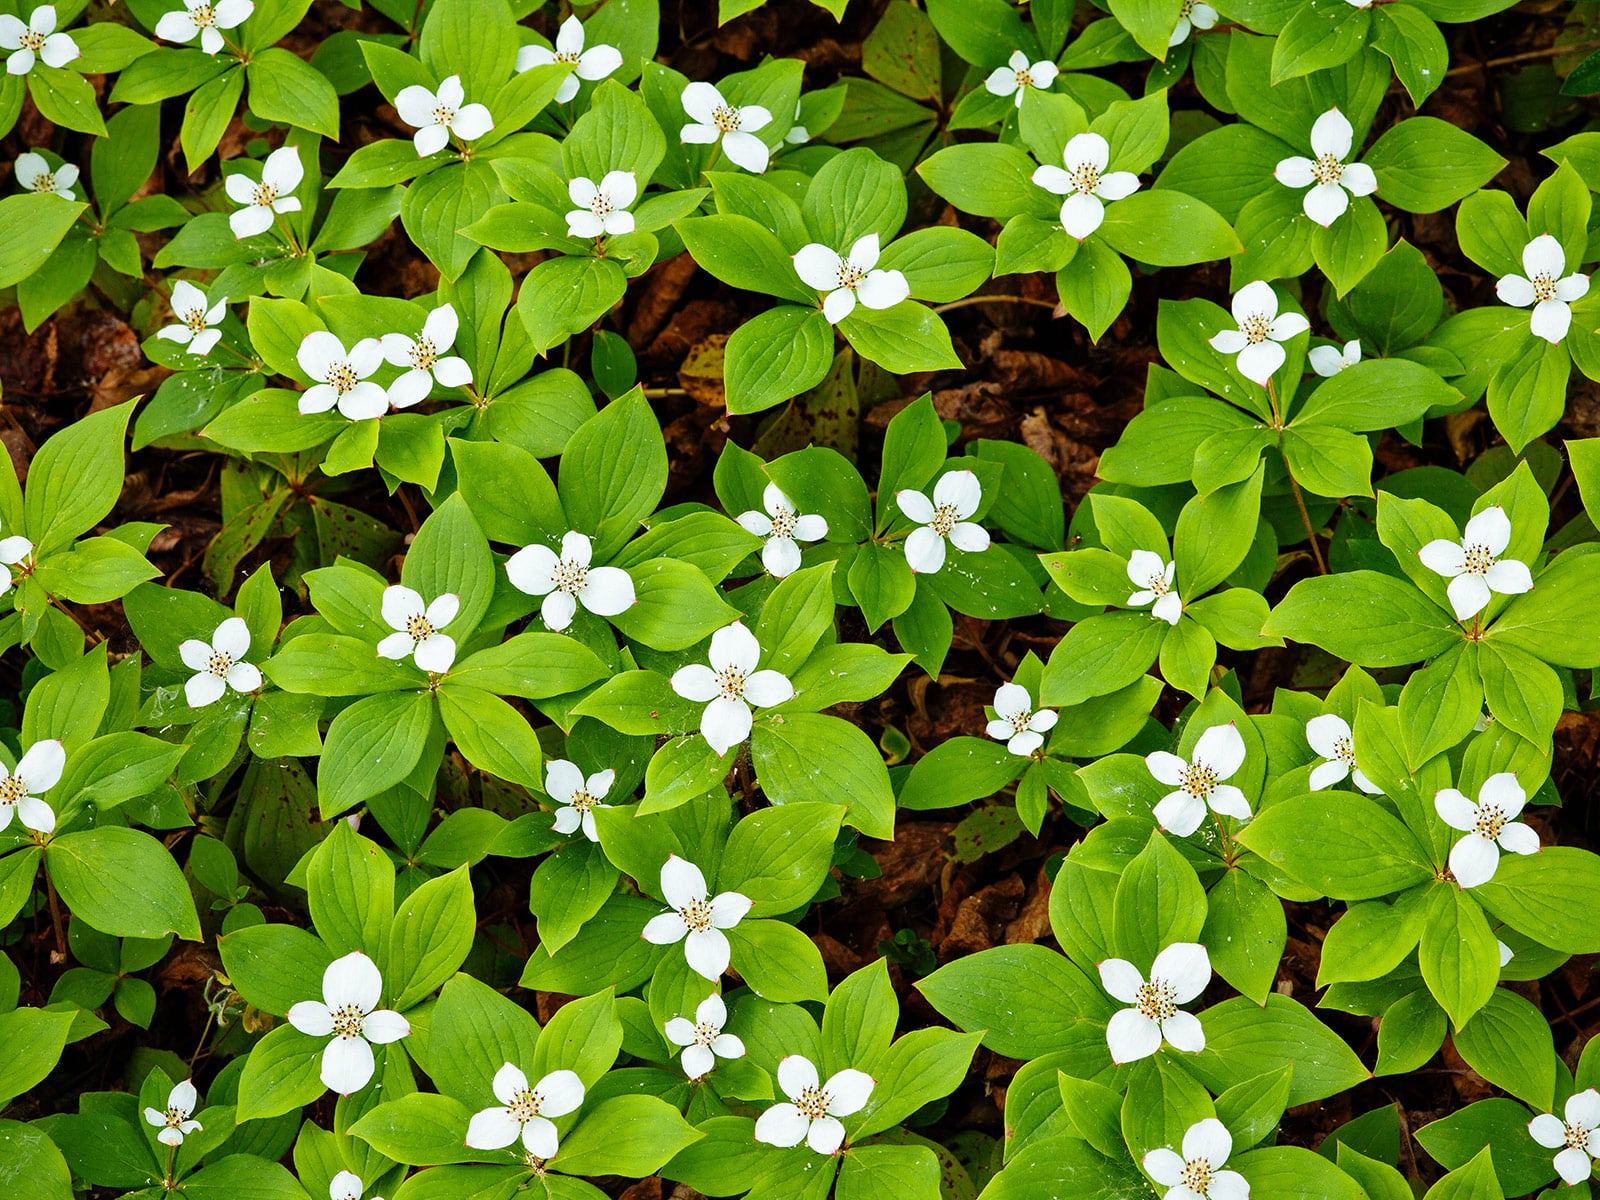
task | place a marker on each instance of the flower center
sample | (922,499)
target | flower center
(31,40)
(1327,169)
(1156,1000)
(696,915)
(265,194)
(443,116)
(1345,751)
(342,377)
(705,1034)
(347,1021)
(784,521)
(525,1105)
(1256,328)
(813,1103)
(423,354)
(566,56)
(1019,721)
(350,1196)
(419,628)
(1197,1176)
(204,17)
(1544,287)
(1478,560)
(176,1117)
(1198,780)
(195,319)
(850,275)
(12,789)
(45,182)
(1086,177)
(1491,820)
(582,802)
(944,519)
(600,206)
(725,118)
(1157,583)
(219,664)
(730,682)
(1024,78)
(1186,10)
(1577,1138)
(569,576)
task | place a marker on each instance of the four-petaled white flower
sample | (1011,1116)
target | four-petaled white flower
(14,551)
(850,278)
(1179,974)
(425,359)
(1195,14)
(39,770)
(955,498)
(697,918)
(594,63)
(527,1111)
(811,1114)
(1545,287)
(1217,755)
(1490,826)
(1332,180)
(35,40)
(205,18)
(1198,1174)
(784,527)
(736,126)
(1260,329)
(1016,724)
(341,376)
(347,1185)
(602,207)
(437,115)
(567,579)
(177,1120)
(702,1039)
(1018,75)
(1085,182)
(349,1012)
(577,797)
(1330,736)
(417,625)
(281,173)
(1152,575)
(34,175)
(1474,566)
(197,324)
(1328,361)
(1576,1138)
(731,684)
(219,664)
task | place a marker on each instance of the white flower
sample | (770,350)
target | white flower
(1152,575)
(527,1111)
(35,40)
(34,175)
(38,771)
(196,327)
(1490,826)
(798,134)
(784,527)
(715,118)
(702,1039)
(1018,75)
(417,625)
(1085,183)
(1197,1174)
(425,359)
(697,918)
(347,1185)
(1255,341)
(281,173)
(567,580)
(14,551)
(349,1012)
(205,18)
(731,684)
(955,498)
(1015,722)
(602,207)
(1178,975)
(1218,754)
(1332,180)
(1545,288)
(1328,361)
(577,797)
(1576,1137)
(814,1108)
(594,63)
(175,1122)
(1474,567)
(1195,14)
(436,115)
(341,376)
(1329,735)
(219,664)
(851,278)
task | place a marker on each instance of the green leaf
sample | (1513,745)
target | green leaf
(1542,896)
(1159,901)
(431,935)
(1424,164)
(419,1129)
(1295,1173)
(122,882)
(350,890)
(776,355)
(1344,845)
(632,1136)
(1459,956)
(1244,1040)
(779,857)
(807,755)
(491,734)
(31,226)
(1168,229)
(284,88)
(1023,998)
(613,473)
(564,296)
(1245,932)
(778,961)
(370,746)
(75,478)
(1364,617)
(907,338)
(1509,1043)
(743,254)
(34,1039)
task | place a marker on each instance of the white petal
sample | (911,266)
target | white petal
(753,117)
(282,170)
(1518,839)
(664,929)
(569,38)
(1168,608)
(1515,291)
(839,304)
(767,688)
(1504,792)
(695,135)
(1002,81)
(883,289)
(1332,134)
(1573,1165)
(729,908)
(1326,774)
(1509,577)
(1229,801)
(914,505)
(1117,185)
(697,1060)
(1544,256)
(1582,1108)
(1295,172)
(1455,810)
(607,591)
(1164,1166)
(680,1031)
(1208,1139)
(1469,595)
(1130,1036)
(384,1026)
(622,187)
(734,647)
(598,61)
(558,610)
(1081,215)
(746,150)
(312,1018)
(396,646)
(508,1083)
(203,689)
(826,1135)
(707,952)
(1326,203)
(539,1138)
(1253,299)
(725,723)
(347,1065)
(435,653)
(345,1183)
(415,104)
(1548,1131)
(319,352)
(701,100)
(183,1097)
(1257,363)
(1228,1185)
(961,490)
(1167,768)
(353,979)
(728,1045)
(1228,341)
(796,1074)
(780,556)
(1551,319)
(1011,699)
(1473,860)
(809,527)
(682,883)
(1324,734)
(1573,287)
(531,570)
(781,1125)
(1053,179)
(562,1092)
(1359,179)
(864,253)
(36,815)
(232,638)
(176,27)
(567,821)
(1179,813)
(1222,749)
(1121,979)
(695,682)
(1183,1032)
(924,551)
(817,266)
(1184,965)
(430,139)
(472,122)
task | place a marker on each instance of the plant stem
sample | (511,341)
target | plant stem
(968,301)
(1294,485)
(55,914)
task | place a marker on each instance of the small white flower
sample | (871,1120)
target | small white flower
(594,63)
(1197,1174)
(341,376)
(1332,180)
(1474,567)
(702,1039)
(730,685)
(602,207)
(197,324)
(1545,287)
(736,126)
(425,359)
(1018,75)
(1328,361)
(814,1108)
(417,625)
(436,115)
(1016,724)
(1152,575)
(1085,183)
(34,175)
(1576,1138)
(577,796)
(784,527)
(14,551)
(1178,975)
(38,771)
(1330,736)
(1218,754)
(175,1122)
(281,173)
(527,1111)
(205,18)
(219,664)
(566,580)
(1491,825)
(1195,14)
(697,918)
(348,1013)
(850,278)
(35,40)
(955,498)
(347,1185)
(798,134)
(1261,328)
